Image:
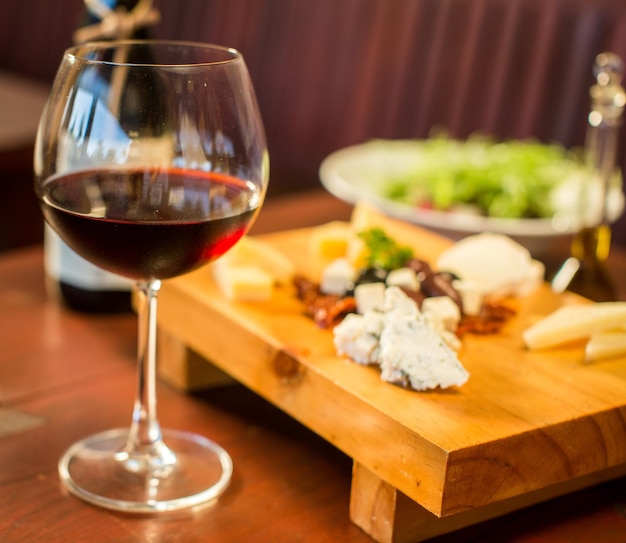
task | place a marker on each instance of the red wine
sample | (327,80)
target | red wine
(149,223)
(77,283)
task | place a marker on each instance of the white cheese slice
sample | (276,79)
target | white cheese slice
(535,276)
(243,283)
(497,263)
(369,296)
(604,345)
(338,277)
(403,277)
(442,313)
(249,251)
(471,294)
(573,322)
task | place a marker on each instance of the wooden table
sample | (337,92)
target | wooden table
(65,375)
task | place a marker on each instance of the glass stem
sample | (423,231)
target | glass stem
(145,449)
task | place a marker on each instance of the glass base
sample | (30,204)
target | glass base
(97,470)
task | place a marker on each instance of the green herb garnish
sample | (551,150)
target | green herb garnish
(383,251)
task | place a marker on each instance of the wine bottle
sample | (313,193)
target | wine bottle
(585,271)
(70,278)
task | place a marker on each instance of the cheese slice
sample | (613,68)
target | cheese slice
(497,263)
(329,241)
(604,345)
(573,322)
(249,251)
(243,283)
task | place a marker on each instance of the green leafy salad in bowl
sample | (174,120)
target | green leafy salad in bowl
(513,179)
(523,188)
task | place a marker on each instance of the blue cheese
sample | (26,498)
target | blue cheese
(413,354)
(402,342)
(357,337)
(398,303)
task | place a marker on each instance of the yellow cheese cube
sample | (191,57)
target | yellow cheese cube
(330,241)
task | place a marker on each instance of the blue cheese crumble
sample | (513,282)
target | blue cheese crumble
(402,342)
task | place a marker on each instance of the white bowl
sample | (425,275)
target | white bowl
(359,172)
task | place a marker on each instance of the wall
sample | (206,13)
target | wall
(329,73)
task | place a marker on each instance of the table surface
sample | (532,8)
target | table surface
(65,375)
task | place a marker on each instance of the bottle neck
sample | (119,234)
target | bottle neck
(117,19)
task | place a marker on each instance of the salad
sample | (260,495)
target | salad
(509,179)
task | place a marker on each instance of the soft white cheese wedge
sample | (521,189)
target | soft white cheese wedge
(573,322)
(535,276)
(603,345)
(497,263)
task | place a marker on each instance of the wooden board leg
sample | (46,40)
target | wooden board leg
(372,504)
(389,516)
(185,369)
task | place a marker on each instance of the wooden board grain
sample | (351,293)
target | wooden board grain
(524,422)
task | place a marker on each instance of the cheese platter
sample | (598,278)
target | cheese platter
(528,425)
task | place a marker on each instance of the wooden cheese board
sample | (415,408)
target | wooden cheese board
(526,427)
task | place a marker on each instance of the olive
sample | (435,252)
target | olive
(449,276)
(421,267)
(369,275)
(440,284)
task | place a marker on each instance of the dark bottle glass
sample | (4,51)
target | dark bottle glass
(74,281)
(586,272)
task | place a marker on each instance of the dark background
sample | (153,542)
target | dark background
(329,73)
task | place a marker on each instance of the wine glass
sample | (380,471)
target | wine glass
(150,161)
